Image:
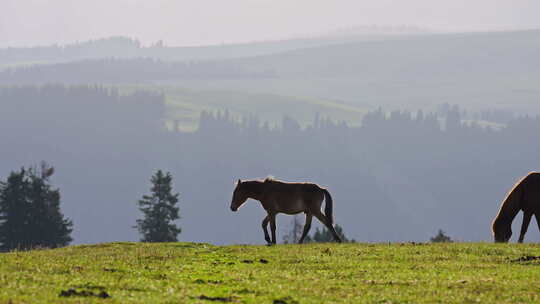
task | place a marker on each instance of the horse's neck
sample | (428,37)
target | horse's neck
(256,190)
(511,206)
(511,213)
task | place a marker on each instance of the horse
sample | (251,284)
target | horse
(525,196)
(289,198)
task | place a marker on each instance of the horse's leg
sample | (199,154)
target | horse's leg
(537,216)
(273,227)
(325,221)
(524,225)
(265,228)
(307,226)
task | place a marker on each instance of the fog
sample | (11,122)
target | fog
(183,23)
(416,116)
(398,177)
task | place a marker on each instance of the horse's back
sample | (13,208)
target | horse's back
(294,197)
(531,192)
(530,183)
(294,188)
(532,178)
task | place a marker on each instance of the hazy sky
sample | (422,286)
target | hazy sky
(196,22)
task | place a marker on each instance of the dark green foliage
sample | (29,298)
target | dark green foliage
(159,211)
(114,70)
(30,213)
(320,236)
(441,238)
(294,235)
(325,236)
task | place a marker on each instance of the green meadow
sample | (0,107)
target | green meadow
(311,273)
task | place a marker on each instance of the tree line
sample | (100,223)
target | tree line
(420,171)
(128,70)
(30,215)
(293,235)
(106,47)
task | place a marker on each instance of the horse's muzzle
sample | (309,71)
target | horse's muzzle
(234,209)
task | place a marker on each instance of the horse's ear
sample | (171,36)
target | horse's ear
(239,181)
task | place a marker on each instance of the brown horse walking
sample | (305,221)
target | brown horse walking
(289,198)
(525,195)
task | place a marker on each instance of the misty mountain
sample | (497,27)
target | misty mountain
(424,57)
(479,71)
(394,176)
(126,48)
(476,70)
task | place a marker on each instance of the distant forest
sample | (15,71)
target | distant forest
(478,71)
(124,71)
(108,47)
(399,176)
(124,47)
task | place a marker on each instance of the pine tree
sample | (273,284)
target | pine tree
(325,236)
(30,213)
(14,211)
(295,233)
(159,211)
(441,238)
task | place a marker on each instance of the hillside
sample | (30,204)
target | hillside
(124,47)
(421,57)
(185,106)
(321,273)
(476,70)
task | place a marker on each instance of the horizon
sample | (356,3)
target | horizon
(38,22)
(313,36)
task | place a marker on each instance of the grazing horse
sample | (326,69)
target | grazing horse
(525,195)
(289,198)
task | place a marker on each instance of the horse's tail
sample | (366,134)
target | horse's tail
(328,208)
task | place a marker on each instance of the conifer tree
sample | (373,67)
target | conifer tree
(30,213)
(325,236)
(441,237)
(294,235)
(159,210)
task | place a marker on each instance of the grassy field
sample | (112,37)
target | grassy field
(314,273)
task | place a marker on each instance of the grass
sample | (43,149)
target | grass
(313,273)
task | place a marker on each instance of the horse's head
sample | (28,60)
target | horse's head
(501,232)
(239,196)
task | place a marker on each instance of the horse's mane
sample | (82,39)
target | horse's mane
(510,202)
(269,178)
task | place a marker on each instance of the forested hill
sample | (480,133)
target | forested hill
(400,176)
(124,47)
(136,70)
(443,56)
(477,70)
